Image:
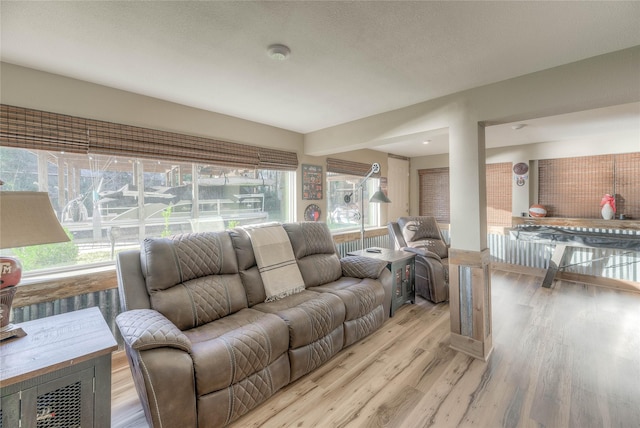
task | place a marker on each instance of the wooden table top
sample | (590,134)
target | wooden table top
(53,343)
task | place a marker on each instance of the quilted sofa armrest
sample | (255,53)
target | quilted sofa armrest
(144,329)
(421,251)
(362,267)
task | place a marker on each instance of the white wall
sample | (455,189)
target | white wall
(25,87)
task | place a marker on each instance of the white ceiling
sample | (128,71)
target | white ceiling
(349,59)
(601,124)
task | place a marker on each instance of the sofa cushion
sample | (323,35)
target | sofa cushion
(318,269)
(362,267)
(356,329)
(221,407)
(229,350)
(360,296)
(247,266)
(144,329)
(193,279)
(253,286)
(417,228)
(436,246)
(310,316)
(170,261)
(309,238)
(315,251)
(201,300)
(307,358)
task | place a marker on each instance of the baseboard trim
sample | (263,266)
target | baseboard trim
(616,284)
(473,348)
(527,270)
(599,281)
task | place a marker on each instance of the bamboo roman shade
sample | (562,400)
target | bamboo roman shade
(434,193)
(277,159)
(31,129)
(574,187)
(499,186)
(339,166)
(112,138)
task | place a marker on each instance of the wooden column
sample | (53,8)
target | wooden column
(470,302)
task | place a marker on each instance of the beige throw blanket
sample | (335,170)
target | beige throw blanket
(276,262)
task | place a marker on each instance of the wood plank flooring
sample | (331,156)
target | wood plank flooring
(568,356)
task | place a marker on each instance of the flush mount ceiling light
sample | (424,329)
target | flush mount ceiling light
(518,126)
(278,52)
(426,141)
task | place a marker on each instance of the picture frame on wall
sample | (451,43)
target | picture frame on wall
(312,184)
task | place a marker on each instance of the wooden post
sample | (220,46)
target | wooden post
(470,302)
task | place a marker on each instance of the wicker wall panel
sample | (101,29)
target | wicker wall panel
(499,191)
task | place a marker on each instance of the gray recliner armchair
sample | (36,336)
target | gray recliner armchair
(421,235)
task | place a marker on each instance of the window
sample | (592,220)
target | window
(110,203)
(344,203)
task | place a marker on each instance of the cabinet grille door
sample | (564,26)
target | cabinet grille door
(66,402)
(61,407)
(9,409)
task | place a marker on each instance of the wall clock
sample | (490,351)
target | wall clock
(312,212)
(520,168)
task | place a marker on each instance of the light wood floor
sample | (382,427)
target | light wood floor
(568,356)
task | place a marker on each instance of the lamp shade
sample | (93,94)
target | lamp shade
(379,197)
(27,218)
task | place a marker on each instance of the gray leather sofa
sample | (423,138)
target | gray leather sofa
(421,235)
(203,345)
